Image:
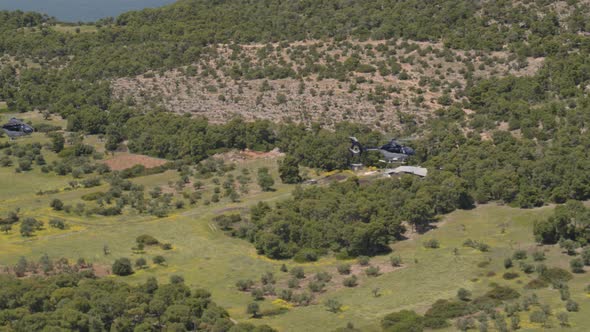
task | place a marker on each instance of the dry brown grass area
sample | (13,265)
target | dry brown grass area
(125,160)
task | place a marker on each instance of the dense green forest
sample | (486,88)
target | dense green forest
(81,302)
(349,218)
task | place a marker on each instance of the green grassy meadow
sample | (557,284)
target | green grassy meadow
(206,257)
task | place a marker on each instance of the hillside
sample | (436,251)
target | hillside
(382,84)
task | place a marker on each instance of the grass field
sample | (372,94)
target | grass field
(208,258)
(73,28)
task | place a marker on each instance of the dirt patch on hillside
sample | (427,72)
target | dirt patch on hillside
(235,156)
(123,161)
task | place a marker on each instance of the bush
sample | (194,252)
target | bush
(395,261)
(350,281)
(244,284)
(93,196)
(508,263)
(527,268)
(432,244)
(267,278)
(577,265)
(586,256)
(306,255)
(372,271)
(323,276)
(297,272)
(159,260)
(122,267)
(363,260)
(519,254)
(333,305)
(57,223)
(316,286)
(536,284)
(572,306)
(147,240)
(463,294)
(502,293)
(510,275)
(403,321)
(56,204)
(257,294)
(538,317)
(343,268)
(436,323)
(293,283)
(538,256)
(556,275)
(140,263)
(448,309)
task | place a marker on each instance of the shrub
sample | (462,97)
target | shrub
(306,255)
(510,275)
(403,321)
(577,265)
(93,196)
(527,268)
(56,204)
(140,263)
(448,309)
(333,305)
(586,256)
(122,267)
(519,254)
(395,261)
(147,240)
(508,263)
(316,286)
(244,284)
(538,317)
(572,306)
(257,294)
(57,223)
(435,323)
(536,284)
(253,309)
(556,275)
(297,272)
(463,294)
(432,244)
(267,278)
(363,260)
(343,268)
(176,279)
(293,283)
(372,271)
(538,256)
(159,260)
(350,281)
(166,246)
(285,294)
(502,293)
(323,276)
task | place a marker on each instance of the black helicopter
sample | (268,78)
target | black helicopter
(17,128)
(392,152)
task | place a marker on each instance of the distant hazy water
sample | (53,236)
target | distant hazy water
(81,10)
